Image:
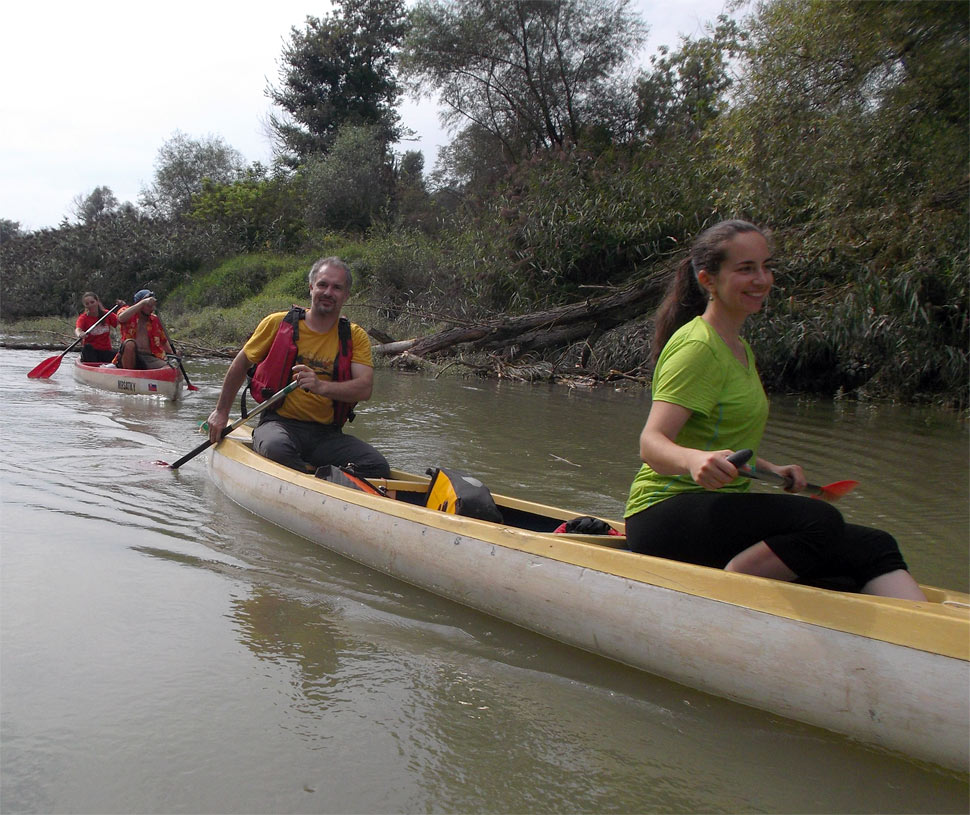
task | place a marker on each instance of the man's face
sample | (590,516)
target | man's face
(328,292)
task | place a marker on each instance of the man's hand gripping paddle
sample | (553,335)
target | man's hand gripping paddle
(238,423)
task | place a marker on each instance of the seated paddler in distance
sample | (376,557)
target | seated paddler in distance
(144,344)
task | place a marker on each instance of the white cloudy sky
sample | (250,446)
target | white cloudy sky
(93,89)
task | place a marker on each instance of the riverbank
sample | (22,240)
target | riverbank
(493,348)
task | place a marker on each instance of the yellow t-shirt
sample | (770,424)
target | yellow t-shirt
(316,351)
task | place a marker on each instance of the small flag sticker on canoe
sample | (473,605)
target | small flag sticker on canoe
(152,386)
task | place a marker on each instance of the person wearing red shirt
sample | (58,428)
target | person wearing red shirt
(96,345)
(144,344)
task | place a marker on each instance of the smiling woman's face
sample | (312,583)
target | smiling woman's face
(745,277)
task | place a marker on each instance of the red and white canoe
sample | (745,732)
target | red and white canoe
(164,382)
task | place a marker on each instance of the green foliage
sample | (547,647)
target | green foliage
(848,105)
(850,138)
(571,220)
(9,229)
(339,70)
(398,267)
(234,281)
(45,272)
(686,90)
(471,164)
(349,187)
(95,206)
(258,212)
(411,205)
(182,166)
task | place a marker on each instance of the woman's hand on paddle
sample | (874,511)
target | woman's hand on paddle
(711,468)
(792,472)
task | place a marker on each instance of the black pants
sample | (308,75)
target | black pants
(298,444)
(89,354)
(808,535)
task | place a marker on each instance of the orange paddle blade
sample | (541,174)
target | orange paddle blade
(834,491)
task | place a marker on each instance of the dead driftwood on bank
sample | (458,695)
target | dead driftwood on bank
(510,337)
(505,340)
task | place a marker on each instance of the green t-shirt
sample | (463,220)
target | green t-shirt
(697,370)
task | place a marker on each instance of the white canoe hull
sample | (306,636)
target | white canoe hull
(886,672)
(164,382)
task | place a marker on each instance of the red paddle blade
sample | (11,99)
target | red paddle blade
(46,368)
(834,491)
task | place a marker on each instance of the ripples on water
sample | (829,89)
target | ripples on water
(163,650)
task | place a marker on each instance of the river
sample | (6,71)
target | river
(163,651)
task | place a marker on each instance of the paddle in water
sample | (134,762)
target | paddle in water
(238,423)
(51,364)
(177,358)
(830,492)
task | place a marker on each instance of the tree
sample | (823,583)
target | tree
(686,89)
(350,186)
(534,73)
(474,160)
(339,70)
(845,102)
(258,212)
(95,206)
(181,168)
(849,135)
(9,229)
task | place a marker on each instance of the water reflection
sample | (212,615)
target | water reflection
(282,630)
(485,717)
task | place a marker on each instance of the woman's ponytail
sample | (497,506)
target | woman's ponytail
(684,300)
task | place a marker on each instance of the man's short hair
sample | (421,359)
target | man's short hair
(333,260)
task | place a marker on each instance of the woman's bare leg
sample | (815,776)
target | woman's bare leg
(759,560)
(899,583)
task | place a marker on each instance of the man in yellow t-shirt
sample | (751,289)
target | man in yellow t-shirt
(301,431)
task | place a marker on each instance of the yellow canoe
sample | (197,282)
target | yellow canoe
(887,672)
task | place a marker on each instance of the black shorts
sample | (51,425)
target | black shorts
(89,354)
(808,535)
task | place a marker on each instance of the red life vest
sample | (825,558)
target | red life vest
(276,369)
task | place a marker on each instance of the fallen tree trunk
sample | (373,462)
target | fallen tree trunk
(389,348)
(512,336)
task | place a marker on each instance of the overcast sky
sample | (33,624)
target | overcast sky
(93,89)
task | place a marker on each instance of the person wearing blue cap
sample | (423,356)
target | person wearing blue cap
(143,340)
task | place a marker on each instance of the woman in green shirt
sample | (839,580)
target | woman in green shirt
(687,502)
